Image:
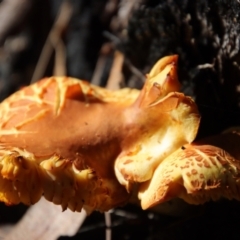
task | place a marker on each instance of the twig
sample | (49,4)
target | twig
(116,76)
(53,39)
(60,59)
(99,69)
(116,41)
(108,223)
(105,53)
(135,71)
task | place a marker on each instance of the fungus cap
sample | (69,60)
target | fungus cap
(198,172)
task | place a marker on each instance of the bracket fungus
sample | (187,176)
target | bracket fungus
(80,145)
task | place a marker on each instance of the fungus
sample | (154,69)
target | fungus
(80,145)
(205,170)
